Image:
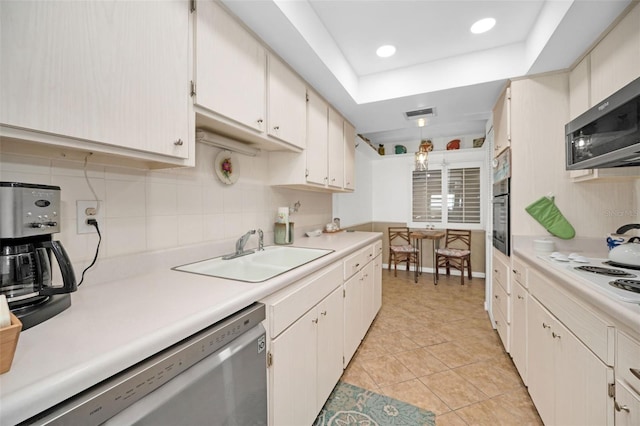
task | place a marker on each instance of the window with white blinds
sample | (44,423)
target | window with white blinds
(463,195)
(427,196)
(447,196)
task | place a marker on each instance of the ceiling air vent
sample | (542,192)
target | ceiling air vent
(419,113)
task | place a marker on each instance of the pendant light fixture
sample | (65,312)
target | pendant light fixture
(423,151)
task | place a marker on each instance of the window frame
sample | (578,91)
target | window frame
(444,222)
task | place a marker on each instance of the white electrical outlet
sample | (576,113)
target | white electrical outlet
(86,210)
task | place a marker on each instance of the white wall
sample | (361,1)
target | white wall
(153,210)
(356,208)
(392,188)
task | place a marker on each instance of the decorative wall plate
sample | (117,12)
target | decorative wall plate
(227,167)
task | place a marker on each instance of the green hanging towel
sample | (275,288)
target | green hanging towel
(547,214)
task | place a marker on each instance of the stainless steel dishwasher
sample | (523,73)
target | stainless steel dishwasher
(215,377)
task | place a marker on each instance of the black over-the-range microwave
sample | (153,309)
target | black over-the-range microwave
(608,134)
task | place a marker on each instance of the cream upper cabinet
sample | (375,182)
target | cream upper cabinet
(317,139)
(230,68)
(241,89)
(502,122)
(615,61)
(580,88)
(349,156)
(336,149)
(287,106)
(611,65)
(107,76)
(327,163)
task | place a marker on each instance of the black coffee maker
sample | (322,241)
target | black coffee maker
(29,215)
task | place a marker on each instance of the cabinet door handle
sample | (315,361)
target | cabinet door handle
(520,297)
(276,128)
(545,325)
(178,142)
(621,407)
(555,335)
(259,120)
(635,372)
(496,296)
(315,320)
(324,313)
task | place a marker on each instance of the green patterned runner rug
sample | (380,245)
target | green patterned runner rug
(350,405)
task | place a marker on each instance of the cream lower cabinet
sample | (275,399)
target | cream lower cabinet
(305,351)
(627,406)
(377,286)
(307,363)
(314,325)
(362,295)
(103,76)
(518,329)
(627,390)
(567,382)
(500,302)
(518,348)
(353,315)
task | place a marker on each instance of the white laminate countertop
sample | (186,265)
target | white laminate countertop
(623,314)
(113,325)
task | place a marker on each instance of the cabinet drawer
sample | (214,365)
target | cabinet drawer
(628,361)
(501,273)
(501,300)
(377,248)
(593,331)
(355,262)
(291,303)
(369,253)
(519,272)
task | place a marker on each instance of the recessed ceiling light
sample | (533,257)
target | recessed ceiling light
(483,25)
(386,51)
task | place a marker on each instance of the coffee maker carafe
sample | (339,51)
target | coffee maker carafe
(29,216)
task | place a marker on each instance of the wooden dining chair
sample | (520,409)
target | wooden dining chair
(456,253)
(400,248)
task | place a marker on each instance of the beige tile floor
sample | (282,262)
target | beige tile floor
(433,347)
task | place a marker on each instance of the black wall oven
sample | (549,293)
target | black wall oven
(501,220)
(501,205)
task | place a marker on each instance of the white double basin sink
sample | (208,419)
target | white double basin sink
(258,266)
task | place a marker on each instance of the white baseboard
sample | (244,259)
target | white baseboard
(442,271)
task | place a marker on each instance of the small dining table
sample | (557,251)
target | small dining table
(416,238)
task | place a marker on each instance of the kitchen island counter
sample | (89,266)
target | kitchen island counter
(115,324)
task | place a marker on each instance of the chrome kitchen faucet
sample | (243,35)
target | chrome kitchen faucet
(242,241)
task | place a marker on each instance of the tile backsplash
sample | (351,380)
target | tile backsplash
(153,210)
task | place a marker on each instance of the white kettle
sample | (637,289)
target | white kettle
(629,252)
